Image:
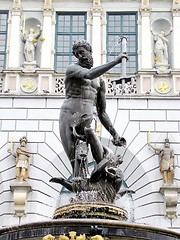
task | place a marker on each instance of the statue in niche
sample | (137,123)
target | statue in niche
(22,160)
(161,28)
(161,48)
(84,89)
(30,38)
(166,158)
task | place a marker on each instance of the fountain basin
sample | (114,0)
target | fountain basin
(111,229)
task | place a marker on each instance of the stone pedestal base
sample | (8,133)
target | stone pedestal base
(20,191)
(170,193)
(29,66)
(91,210)
(162,68)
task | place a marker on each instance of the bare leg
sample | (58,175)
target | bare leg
(96,146)
(67,139)
(18,171)
(165,177)
(23,174)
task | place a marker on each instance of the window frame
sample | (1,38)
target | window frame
(70,33)
(3,53)
(123,33)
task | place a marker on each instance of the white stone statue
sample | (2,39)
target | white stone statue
(22,160)
(161,48)
(166,161)
(30,38)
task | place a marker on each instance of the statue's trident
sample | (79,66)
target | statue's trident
(124,78)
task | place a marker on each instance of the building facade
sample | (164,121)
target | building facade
(35,49)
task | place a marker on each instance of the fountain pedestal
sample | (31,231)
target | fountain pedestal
(91,210)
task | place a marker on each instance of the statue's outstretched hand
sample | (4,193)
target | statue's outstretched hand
(121,56)
(119,141)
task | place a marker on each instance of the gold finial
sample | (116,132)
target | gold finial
(17,1)
(81,237)
(96,2)
(72,235)
(48,237)
(145,2)
(97,237)
(48,2)
(63,237)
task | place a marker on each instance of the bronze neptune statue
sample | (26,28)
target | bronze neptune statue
(84,90)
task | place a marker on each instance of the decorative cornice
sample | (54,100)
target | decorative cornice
(176,10)
(48,11)
(145,10)
(16,11)
(96,10)
(16,8)
(48,8)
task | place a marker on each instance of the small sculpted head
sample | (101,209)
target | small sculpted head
(167,143)
(23,141)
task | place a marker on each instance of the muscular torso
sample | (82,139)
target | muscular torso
(80,92)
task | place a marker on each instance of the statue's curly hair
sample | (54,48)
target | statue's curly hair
(81,43)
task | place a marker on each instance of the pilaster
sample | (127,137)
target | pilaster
(47,50)
(175,38)
(14,40)
(96,12)
(146,46)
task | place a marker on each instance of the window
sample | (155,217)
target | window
(70,27)
(118,25)
(3,38)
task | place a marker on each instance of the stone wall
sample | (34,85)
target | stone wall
(37,118)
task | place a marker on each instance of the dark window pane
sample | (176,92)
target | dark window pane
(120,24)
(2,58)
(3,37)
(3,22)
(70,27)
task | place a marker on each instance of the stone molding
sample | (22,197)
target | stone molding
(20,190)
(170,193)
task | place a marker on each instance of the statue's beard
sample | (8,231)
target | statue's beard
(86,62)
